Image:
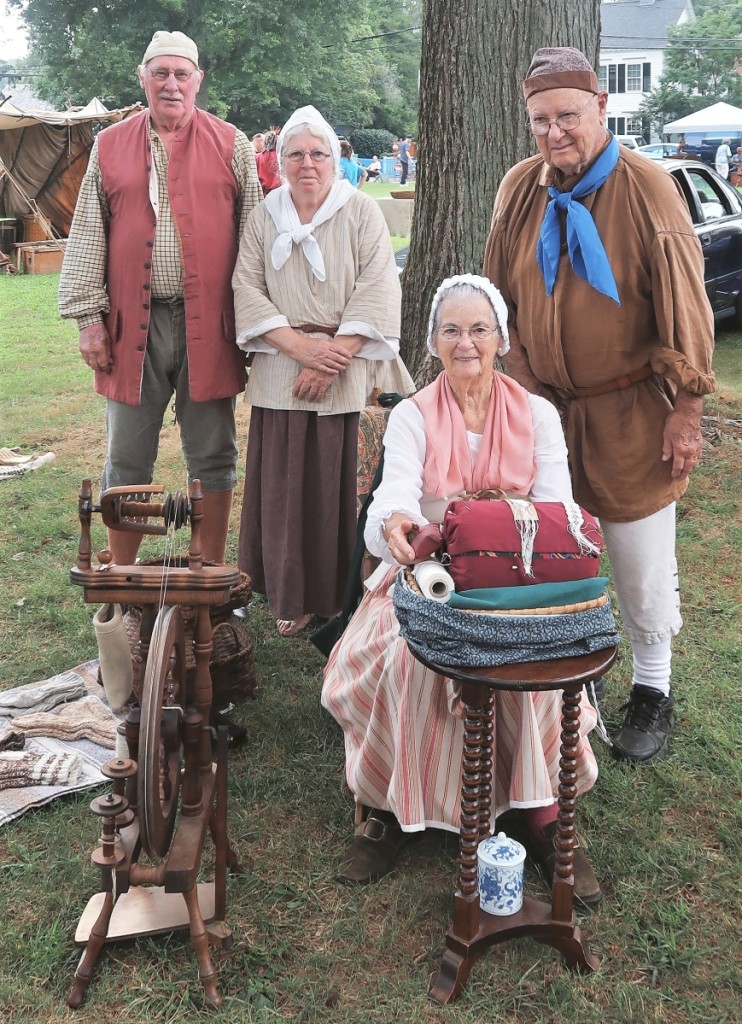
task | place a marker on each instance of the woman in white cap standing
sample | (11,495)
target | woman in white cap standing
(317,301)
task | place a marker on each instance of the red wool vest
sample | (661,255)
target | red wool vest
(203,194)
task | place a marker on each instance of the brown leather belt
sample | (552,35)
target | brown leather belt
(627,380)
(314,329)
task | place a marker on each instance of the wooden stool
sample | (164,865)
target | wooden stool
(473,930)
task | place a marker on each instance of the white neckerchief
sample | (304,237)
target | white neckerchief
(291,231)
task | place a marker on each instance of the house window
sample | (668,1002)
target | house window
(634,126)
(603,78)
(633,78)
(616,78)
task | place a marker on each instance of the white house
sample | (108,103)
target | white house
(633,38)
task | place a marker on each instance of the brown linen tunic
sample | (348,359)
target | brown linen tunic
(578,337)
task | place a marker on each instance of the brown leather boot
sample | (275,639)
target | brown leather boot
(543,851)
(374,850)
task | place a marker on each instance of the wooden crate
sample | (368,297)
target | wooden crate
(42,257)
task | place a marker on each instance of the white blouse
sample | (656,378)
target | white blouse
(401,488)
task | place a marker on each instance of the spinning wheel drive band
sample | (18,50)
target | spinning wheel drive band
(163,695)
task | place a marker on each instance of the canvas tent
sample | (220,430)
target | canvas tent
(43,157)
(716,119)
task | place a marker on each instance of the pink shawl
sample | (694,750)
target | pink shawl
(506,458)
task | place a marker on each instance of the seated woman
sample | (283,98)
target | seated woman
(472,428)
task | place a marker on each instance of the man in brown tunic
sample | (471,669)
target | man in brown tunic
(596,256)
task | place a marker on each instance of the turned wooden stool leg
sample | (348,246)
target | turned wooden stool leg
(476,798)
(487,772)
(562,890)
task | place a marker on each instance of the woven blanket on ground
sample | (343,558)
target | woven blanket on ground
(478,639)
(14,802)
(12,464)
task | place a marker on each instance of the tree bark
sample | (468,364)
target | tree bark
(475,54)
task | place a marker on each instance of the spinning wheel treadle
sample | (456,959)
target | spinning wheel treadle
(160,736)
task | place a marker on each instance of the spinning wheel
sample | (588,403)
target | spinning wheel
(161,733)
(167,794)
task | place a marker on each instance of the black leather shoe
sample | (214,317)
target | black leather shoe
(586,885)
(374,850)
(647,725)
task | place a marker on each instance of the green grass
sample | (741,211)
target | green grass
(383,189)
(666,840)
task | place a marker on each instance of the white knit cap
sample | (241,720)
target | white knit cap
(171,44)
(484,285)
(312,118)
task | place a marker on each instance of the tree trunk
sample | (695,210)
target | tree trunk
(475,54)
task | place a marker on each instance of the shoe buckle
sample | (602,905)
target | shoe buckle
(374,829)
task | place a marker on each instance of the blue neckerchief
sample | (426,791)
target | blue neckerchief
(586,252)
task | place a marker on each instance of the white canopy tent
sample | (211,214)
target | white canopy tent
(719,117)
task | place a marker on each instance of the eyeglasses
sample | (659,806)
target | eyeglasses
(567,122)
(162,75)
(296,156)
(477,333)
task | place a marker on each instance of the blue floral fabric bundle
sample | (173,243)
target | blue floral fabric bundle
(462,638)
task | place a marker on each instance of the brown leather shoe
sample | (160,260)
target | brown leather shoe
(543,851)
(374,850)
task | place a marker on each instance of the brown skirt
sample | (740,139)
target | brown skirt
(299,510)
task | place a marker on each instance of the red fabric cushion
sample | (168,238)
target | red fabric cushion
(482,540)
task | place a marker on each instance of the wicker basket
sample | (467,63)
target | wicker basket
(231,663)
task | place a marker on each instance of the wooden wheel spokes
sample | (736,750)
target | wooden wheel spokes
(160,737)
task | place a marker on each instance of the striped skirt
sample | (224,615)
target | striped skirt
(403,726)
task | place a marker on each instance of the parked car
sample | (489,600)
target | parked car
(716,211)
(631,141)
(660,150)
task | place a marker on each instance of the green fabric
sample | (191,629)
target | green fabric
(537,595)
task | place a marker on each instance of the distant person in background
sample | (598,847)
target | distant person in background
(258,142)
(374,168)
(404,158)
(267,165)
(350,170)
(735,174)
(723,158)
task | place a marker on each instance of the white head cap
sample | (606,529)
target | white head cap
(484,285)
(312,118)
(171,44)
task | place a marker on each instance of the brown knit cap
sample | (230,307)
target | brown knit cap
(559,67)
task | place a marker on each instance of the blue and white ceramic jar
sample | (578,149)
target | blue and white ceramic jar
(500,863)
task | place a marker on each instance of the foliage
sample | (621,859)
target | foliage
(700,67)
(370,141)
(262,58)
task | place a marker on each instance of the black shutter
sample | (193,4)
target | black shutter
(612,78)
(621,78)
(646,77)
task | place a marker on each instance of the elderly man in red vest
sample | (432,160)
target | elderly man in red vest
(147,275)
